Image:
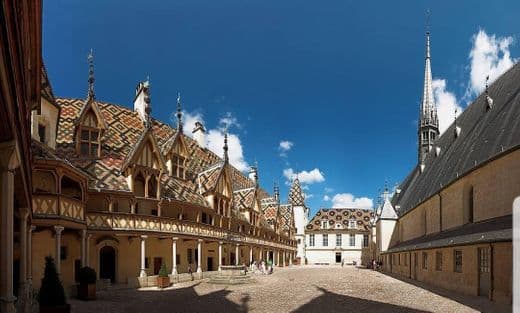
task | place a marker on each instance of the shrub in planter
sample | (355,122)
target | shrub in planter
(163,280)
(87,283)
(52,295)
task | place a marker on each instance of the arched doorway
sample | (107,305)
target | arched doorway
(107,263)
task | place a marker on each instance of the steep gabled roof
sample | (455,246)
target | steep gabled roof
(296,196)
(339,218)
(244,198)
(387,211)
(485,134)
(146,136)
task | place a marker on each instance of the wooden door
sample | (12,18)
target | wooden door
(157,262)
(484,272)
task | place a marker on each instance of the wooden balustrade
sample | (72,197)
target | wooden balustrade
(133,222)
(58,206)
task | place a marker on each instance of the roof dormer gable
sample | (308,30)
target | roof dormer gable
(146,153)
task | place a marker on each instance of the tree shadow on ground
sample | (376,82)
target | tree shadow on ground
(333,302)
(481,304)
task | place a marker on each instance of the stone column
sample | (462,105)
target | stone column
(237,254)
(22,285)
(199,256)
(174,255)
(250,255)
(220,255)
(260,254)
(275,257)
(283,258)
(142,273)
(29,256)
(83,247)
(290,258)
(8,164)
(57,241)
(87,250)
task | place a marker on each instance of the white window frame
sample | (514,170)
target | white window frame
(312,241)
(352,224)
(325,240)
(352,240)
(338,240)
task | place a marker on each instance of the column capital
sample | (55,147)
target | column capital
(32,228)
(24,213)
(200,240)
(9,159)
(143,237)
(175,238)
(84,233)
(58,229)
(220,243)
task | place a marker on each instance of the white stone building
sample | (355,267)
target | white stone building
(301,218)
(334,236)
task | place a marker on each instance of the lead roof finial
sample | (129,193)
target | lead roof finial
(179,113)
(226,157)
(91,79)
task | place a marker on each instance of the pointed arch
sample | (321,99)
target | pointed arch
(90,127)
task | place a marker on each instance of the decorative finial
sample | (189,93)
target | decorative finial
(427,33)
(91,78)
(489,100)
(226,157)
(179,113)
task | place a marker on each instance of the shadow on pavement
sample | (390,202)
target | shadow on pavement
(333,302)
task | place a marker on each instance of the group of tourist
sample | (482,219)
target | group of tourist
(262,267)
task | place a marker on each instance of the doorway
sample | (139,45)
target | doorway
(338,257)
(157,263)
(484,276)
(107,263)
(415,266)
(210,264)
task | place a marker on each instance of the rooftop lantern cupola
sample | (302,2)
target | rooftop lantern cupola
(428,129)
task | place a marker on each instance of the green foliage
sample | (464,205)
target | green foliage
(269,262)
(87,275)
(51,291)
(163,272)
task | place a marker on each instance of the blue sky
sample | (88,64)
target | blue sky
(336,83)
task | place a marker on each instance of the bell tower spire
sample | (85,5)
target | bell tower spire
(179,113)
(428,120)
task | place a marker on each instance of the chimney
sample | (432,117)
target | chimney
(253,174)
(142,101)
(199,134)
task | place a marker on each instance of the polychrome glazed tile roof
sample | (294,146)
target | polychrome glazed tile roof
(339,219)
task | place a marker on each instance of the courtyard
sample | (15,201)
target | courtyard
(294,289)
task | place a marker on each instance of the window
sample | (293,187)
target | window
(399,259)
(338,240)
(204,218)
(178,259)
(352,240)
(41,133)
(365,240)
(311,240)
(325,240)
(352,224)
(89,142)
(468,204)
(457,259)
(324,224)
(178,166)
(425,260)
(438,261)
(190,256)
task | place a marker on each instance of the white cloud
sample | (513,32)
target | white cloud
(215,142)
(446,104)
(286,145)
(347,200)
(215,137)
(328,190)
(305,177)
(490,55)
(326,198)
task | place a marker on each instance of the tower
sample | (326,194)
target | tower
(428,129)
(301,217)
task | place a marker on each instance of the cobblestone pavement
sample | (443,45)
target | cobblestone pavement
(296,289)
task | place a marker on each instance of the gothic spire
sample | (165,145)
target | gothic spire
(90,58)
(179,113)
(428,120)
(226,157)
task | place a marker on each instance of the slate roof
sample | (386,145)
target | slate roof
(493,230)
(341,217)
(485,134)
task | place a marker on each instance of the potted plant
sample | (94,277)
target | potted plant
(163,280)
(87,283)
(52,295)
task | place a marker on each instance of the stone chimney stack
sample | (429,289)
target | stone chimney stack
(199,134)
(142,101)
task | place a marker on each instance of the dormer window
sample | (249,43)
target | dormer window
(89,135)
(178,166)
(352,224)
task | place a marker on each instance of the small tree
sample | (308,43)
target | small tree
(163,272)
(87,275)
(51,290)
